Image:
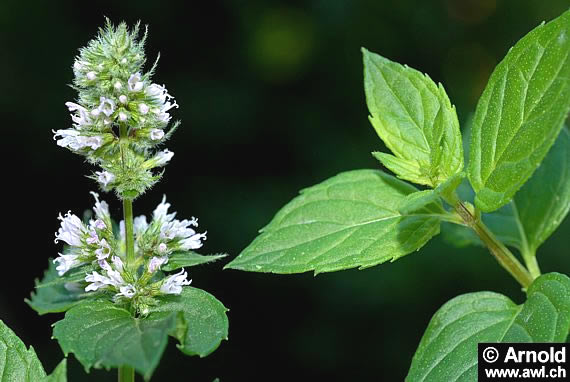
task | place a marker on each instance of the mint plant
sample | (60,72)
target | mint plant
(514,192)
(123,286)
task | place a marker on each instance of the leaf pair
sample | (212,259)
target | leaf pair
(22,365)
(101,334)
(362,218)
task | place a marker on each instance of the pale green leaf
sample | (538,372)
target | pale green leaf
(59,374)
(54,298)
(520,113)
(101,334)
(415,119)
(17,363)
(350,220)
(189,259)
(448,349)
(417,200)
(204,317)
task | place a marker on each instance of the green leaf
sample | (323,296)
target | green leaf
(16,362)
(101,334)
(448,349)
(189,259)
(417,200)
(59,374)
(543,202)
(56,297)
(520,113)
(537,209)
(350,220)
(205,323)
(72,276)
(415,119)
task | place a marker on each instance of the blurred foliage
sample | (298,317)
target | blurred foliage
(271,102)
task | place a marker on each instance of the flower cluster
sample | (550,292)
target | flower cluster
(120,116)
(100,252)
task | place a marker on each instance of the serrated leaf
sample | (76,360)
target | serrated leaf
(16,362)
(350,220)
(448,349)
(56,297)
(543,202)
(72,276)
(415,119)
(204,317)
(189,259)
(59,374)
(536,210)
(520,113)
(102,335)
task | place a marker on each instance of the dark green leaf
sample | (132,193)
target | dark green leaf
(101,334)
(55,298)
(350,220)
(543,202)
(204,317)
(189,259)
(448,349)
(415,119)
(520,113)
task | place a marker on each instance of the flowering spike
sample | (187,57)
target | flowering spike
(115,91)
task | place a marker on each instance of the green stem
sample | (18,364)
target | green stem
(127,205)
(501,253)
(129,231)
(531,264)
(126,374)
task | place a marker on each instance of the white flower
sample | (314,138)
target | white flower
(66,262)
(123,116)
(193,242)
(161,211)
(101,208)
(134,83)
(158,92)
(77,65)
(81,117)
(143,108)
(123,99)
(97,280)
(95,112)
(118,85)
(107,106)
(124,61)
(140,224)
(72,139)
(127,291)
(177,228)
(105,178)
(162,248)
(93,237)
(163,157)
(118,263)
(155,263)
(104,265)
(173,284)
(91,76)
(71,230)
(104,250)
(156,134)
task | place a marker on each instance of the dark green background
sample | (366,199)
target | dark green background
(271,101)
